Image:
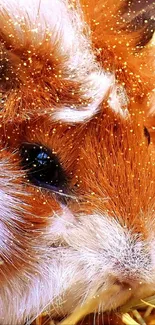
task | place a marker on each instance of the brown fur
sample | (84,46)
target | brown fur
(98,155)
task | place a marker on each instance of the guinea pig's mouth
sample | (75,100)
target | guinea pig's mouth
(119,297)
(109,299)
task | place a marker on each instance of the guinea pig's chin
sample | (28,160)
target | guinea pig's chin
(112,296)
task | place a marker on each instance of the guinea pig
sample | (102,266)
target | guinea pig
(77,167)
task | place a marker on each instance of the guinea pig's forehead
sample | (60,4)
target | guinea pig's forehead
(108,125)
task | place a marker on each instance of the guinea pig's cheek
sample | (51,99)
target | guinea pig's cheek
(40,206)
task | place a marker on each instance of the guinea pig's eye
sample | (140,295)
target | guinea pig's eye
(42,166)
(147,134)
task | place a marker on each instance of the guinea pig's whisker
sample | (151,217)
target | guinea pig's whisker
(94,318)
(102,315)
(66,195)
(15,151)
(99,308)
(39,313)
(57,192)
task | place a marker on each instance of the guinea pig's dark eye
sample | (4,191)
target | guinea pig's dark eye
(147,134)
(42,166)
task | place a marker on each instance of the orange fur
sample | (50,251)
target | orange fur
(109,165)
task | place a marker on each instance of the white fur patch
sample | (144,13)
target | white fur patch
(74,257)
(118,101)
(99,86)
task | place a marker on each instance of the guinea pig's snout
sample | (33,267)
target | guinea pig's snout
(133,278)
(133,268)
(126,277)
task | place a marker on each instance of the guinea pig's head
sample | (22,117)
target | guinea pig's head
(77,213)
(76,173)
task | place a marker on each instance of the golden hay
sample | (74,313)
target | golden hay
(144,316)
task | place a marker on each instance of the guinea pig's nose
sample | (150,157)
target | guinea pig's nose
(124,271)
(132,263)
(127,280)
(129,275)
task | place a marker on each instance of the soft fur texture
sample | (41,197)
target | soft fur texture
(77,78)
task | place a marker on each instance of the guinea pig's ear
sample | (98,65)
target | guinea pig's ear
(47,65)
(121,33)
(140,16)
